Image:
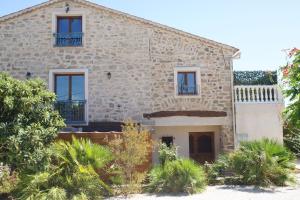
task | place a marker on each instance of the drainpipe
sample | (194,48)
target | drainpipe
(237,55)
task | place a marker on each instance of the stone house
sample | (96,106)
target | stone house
(107,66)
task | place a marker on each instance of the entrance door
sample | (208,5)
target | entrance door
(202,146)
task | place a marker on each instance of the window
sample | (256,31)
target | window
(69,89)
(167,140)
(186,82)
(69,31)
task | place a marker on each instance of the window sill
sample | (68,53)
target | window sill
(57,46)
(188,96)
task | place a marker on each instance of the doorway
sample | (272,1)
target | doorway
(201,146)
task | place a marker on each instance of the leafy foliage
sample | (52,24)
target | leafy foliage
(176,177)
(260,163)
(131,149)
(255,77)
(291,84)
(167,153)
(28,123)
(216,171)
(72,174)
(8,180)
(292,139)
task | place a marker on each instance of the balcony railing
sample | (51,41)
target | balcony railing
(257,94)
(72,111)
(187,91)
(68,39)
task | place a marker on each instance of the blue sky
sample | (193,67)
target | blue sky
(259,28)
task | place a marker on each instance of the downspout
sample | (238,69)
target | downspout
(237,55)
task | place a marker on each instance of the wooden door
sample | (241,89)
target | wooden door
(201,146)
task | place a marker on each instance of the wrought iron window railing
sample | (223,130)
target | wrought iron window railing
(72,111)
(68,39)
(187,90)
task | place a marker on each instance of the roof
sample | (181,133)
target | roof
(139,19)
(188,113)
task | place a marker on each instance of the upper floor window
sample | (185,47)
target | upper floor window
(187,81)
(69,31)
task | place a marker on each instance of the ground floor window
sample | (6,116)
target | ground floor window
(167,140)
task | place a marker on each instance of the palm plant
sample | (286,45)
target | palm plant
(177,176)
(72,174)
(261,163)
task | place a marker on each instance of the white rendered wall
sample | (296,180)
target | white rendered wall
(259,120)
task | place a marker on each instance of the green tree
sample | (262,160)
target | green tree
(28,123)
(291,83)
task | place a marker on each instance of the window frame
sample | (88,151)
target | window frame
(70,24)
(195,70)
(70,83)
(75,12)
(84,72)
(185,73)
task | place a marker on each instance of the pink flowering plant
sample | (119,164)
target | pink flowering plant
(291,81)
(291,85)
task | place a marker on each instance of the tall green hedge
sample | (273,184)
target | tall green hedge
(255,77)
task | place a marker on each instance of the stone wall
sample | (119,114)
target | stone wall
(140,57)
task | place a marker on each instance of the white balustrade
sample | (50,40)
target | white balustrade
(257,94)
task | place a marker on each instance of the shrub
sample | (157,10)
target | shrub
(291,90)
(130,150)
(260,163)
(72,173)
(167,153)
(216,171)
(176,177)
(8,180)
(291,138)
(28,123)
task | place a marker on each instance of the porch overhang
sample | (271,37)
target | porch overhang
(187,118)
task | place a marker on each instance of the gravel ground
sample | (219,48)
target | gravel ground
(230,193)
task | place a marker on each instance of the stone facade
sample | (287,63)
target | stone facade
(140,56)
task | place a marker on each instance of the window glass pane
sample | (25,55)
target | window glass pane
(62,25)
(181,83)
(78,87)
(191,82)
(62,87)
(180,78)
(76,25)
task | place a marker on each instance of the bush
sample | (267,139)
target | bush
(176,177)
(72,174)
(260,163)
(291,88)
(28,123)
(291,138)
(8,180)
(167,153)
(131,150)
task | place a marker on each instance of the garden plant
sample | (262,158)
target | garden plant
(176,175)
(261,163)
(291,89)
